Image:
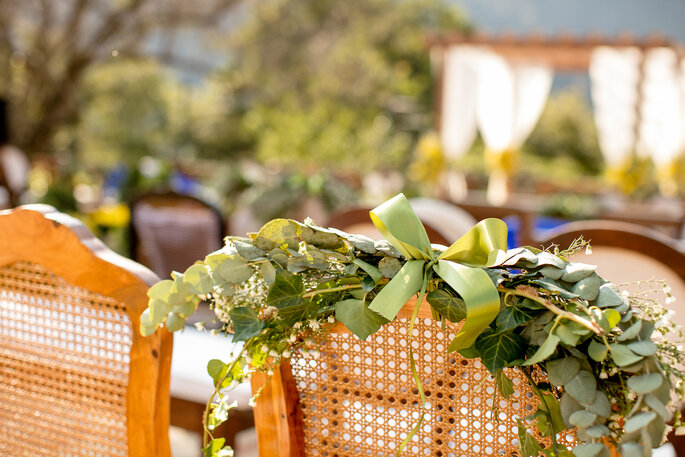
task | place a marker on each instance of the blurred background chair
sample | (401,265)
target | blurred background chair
(447,219)
(169,231)
(76,376)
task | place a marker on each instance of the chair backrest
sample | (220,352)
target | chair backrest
(358,398)
(625,253)
(76,376)
(169,231)
(357,220)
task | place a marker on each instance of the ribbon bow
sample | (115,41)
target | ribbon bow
(461,266)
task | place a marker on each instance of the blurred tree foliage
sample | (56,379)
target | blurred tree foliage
(345,84)
(566,131)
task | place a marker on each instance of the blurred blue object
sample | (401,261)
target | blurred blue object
(542,223)
(115,180)
(184,184)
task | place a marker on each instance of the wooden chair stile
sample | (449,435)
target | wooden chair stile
(76,376)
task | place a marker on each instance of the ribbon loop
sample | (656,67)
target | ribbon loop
(460,265)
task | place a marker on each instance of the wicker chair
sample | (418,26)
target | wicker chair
(76,377)
(358,398)
(169,231)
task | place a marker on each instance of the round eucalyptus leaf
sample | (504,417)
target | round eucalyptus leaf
(631,450)
(198,279)
(161,290)
(639,421)
(248,251)
(597,431)
(609,296)
(590,450)
(575,271)
(389,266)
(587,288)
(631,332)
(644,348)
(658,406)
(583,387)
(147,326)
(597,351)
(601,405)
(623,356)
(551,272)
(582,418)
(645,384)
(234,270)
(158,310)
(561,371)
(174,322)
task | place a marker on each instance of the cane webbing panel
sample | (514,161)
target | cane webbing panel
(358,398)
(64,359)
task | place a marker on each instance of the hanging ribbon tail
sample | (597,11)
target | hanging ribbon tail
(480,297)
(480,245)
(406,283)
(399,224)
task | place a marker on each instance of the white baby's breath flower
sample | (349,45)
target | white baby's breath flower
(680,431)
(632,396)
(265,348)
(286,354)
(660,323)
(252,402)
(667,289)
(297,325)
(670,299)
(603,375)
(273,353)
(625,293)
(314,325)
(588,250)
(331,319)
(292,338)
(199,325)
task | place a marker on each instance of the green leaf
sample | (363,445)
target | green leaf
(234,270)
(246,323)
(470,352)
(358,318)
(582,418)
(295,313)
(389,266)
(551,272)
(369,269)
(639,421)
(247,251)
(513,316)
(631,332)
(561,371)
(658,406)
(528,445)
(551,405)
(583,387)
(566,334)
(147,326)
(597,351)
(609,296)
(497,349)
(575,271)
(554,287)
(601,405)
(159,309)
(278,231)
(161,290)
(645,384)
(174,322)
(215,258)
(568,405)
(368,284)
(544,351)
(623,356)
(268,272)
(504,384)
(591,450)
(286,290)
(631,450)
(446,304)
(610,319)
(587,288)
(597,431)
(197,279)
(214,447)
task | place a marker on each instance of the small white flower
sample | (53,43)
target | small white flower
(670,313)
(286,354)
(252,402)
(632,396)
(265,348)
(297,325)
(331,319)
(588,250)
(670,299)
(680,430)
(603,375)
(625,293)
(314,324)
(273,353)
(292,338)
(660,323)
(667,289)
(200,325)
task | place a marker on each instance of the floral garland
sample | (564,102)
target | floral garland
(611,358)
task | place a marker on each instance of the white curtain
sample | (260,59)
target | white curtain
(615,75)
(458,114)
(662,108)
(510,99)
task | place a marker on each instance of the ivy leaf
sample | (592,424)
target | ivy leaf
(597,351)
(551,405)
(295,313)
(358,318)
(513,316)
(528,445)
(217,371)
(446,304)
(504,384)
(286,290)
(246,323)
(544,351)
(497,349)
(623,356)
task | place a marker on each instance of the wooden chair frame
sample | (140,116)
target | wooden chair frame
(61,244)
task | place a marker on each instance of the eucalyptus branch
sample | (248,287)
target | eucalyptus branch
(556,310)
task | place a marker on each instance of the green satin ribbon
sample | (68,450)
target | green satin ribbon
(461,266)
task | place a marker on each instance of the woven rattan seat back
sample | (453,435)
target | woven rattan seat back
(358,398)
(76,377)
(170,231)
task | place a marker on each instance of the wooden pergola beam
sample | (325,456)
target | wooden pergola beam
(563,52)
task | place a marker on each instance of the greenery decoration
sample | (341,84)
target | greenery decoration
(611,371)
